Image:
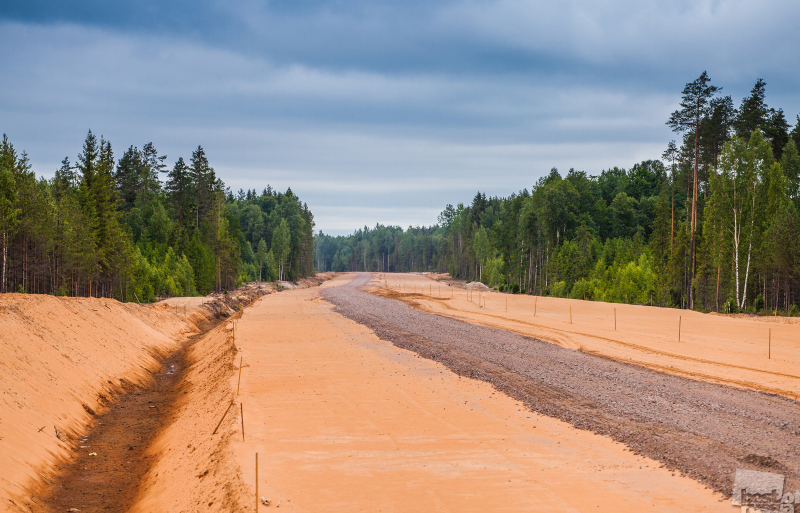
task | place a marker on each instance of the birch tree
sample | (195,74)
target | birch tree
(736,208)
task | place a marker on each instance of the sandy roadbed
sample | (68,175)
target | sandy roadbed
(345,421)
(759,353)
(702,429)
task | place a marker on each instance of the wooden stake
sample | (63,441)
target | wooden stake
(241,359)
(769,346)
(223,418)
(535,303)
(242,407)
(615,319)
(256,482)
(679,328)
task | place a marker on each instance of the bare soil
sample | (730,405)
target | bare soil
(343,421)
(703,430)
(110,461)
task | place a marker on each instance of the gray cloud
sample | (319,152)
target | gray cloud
(381,111)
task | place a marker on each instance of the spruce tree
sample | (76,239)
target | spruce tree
(753,113)
(179,189)
(204,181)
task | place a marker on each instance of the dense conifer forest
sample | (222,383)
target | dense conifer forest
(711,224)
(135,229)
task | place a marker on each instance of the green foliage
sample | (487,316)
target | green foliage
(115,231)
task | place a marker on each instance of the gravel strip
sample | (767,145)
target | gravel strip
(702,430)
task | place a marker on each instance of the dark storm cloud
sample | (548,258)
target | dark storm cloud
(390,106)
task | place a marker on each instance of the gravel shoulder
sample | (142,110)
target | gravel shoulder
(702,430)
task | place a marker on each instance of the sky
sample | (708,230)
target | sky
(381,111)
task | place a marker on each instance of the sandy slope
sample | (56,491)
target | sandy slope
(60,358)
(343,421)
(194,469)
(715,348)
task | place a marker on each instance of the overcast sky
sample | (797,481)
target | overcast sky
(381,111)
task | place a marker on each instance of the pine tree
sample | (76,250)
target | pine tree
(694,110)
(9,213)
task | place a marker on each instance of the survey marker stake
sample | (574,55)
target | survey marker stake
(242,407)
(223,418)
(241,359)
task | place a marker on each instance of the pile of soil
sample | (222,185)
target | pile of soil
(476,285)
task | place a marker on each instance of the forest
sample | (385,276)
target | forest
(135,230)
(711,224)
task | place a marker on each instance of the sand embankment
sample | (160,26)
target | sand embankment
(61,360)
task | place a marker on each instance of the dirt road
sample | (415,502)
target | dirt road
(702,429)
(345,421)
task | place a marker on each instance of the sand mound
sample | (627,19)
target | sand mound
(476,285)
(61,360)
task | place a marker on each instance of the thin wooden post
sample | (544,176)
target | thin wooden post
(241,359)
(769,346)
(256,482)
(535,304)
(242,407)
(679,328)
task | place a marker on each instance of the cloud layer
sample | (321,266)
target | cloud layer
(381,111)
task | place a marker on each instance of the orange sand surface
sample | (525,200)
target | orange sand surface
(343,421)
(195,470)
(757,353)
(57,355)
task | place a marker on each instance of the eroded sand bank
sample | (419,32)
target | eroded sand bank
(61,359)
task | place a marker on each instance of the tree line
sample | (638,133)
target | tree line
(134,229)
(711,224)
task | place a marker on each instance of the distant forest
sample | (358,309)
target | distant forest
(712,224)
(107,228)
